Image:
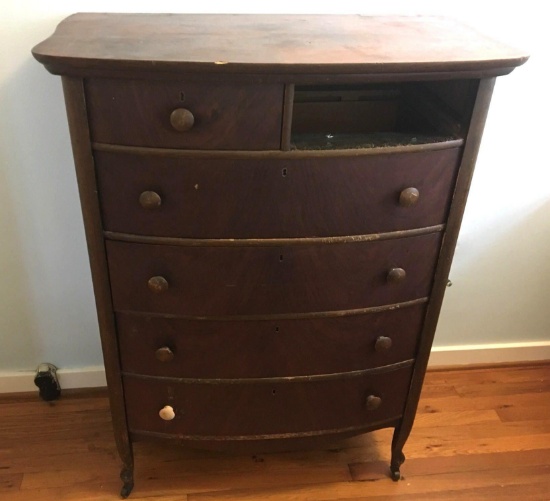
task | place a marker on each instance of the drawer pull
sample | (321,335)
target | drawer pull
(164,354)
(157,284)
(167,413)
(383,343)
(396,275)
(373,402)
(182,119)
(409,197)
(150,200)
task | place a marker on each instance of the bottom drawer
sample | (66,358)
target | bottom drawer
(265,408)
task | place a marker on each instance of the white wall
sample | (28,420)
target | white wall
(501,273)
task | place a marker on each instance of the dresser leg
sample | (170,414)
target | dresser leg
(397,459)
(397,456)
(127,477)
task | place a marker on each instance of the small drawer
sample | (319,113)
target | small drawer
(189,115)
(256,280)
(291,197)
(257,409)
(173,347)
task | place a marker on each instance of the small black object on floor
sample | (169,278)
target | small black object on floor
(47,382)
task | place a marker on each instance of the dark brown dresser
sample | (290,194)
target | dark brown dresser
(271,207)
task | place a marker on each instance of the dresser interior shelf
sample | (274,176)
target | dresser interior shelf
(329,117)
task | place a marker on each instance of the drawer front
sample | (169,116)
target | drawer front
(269,198)
(263,408)
(171,347)
(219,281)
(225,115)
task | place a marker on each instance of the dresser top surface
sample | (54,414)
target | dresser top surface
(277,44)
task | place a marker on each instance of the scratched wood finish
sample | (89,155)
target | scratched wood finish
(275,44)
(292,197)
(267,348)
(220,281)
(220,411)
(227,116)
(229,83)
(465,446)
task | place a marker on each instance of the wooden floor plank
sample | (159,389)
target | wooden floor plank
(435,465)
(411,485)
(10,482)
(462,403)
(520,413)
(480,434)
(456,418)
(535,492)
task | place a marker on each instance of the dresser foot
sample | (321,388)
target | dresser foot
(127,477)
(398,458)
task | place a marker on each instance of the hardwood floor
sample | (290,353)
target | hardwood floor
(479,434)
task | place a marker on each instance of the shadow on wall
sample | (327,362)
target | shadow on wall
(46,301)
(500,283)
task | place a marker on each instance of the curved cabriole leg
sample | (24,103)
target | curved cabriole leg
(397,459)
(397,456)
(127,477)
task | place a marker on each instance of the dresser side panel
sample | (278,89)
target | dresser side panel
(77,115)
(450,236)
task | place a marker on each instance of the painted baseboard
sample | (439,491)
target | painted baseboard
(489,353)
(91,377)
(83,377)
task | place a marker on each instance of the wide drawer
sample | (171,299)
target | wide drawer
(172,347)
(198,197)
(257,409)
(226,115)
(255,280)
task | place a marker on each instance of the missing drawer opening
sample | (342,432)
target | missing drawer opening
(379,115)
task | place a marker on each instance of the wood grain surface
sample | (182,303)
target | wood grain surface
(274,197)
(227,116)
(266,348)
(255,280)
(242,410)
(275,43)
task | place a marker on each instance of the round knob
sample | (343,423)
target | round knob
(157,284)
(396,275)
(164,354)
(382,343)
(408,197)
(150,200)
(182,119)
(373,402)
(167,413)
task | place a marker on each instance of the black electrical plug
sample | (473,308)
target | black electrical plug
(47,382)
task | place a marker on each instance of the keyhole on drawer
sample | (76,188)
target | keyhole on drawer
(273,392)
(281,258)
(182,96)
(284,172)
(276,329)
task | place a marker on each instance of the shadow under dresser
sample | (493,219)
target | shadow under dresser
(271,206)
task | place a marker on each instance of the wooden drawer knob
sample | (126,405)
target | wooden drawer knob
(167,413)
(150,200)
(164,354)
(409,197)
(382,344)
(396,275)
(182,119)
(157,284)
(373,402)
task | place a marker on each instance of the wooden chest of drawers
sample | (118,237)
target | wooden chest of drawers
(271,206)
